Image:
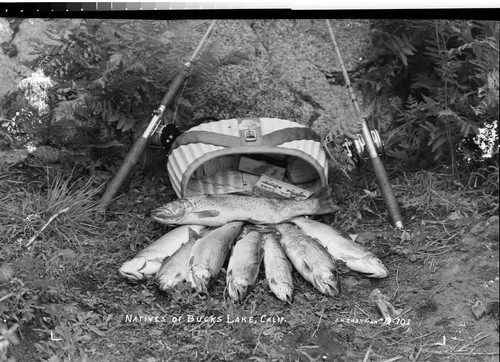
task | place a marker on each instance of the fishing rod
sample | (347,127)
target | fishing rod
(141,143)
(378,166)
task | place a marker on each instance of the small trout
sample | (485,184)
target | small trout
(341,247)
(147,262)
(310,259)
(278,268)
(244,265)
(209,253)
(174,269)
(217,210)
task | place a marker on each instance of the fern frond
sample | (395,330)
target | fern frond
(438,142)
(114,62)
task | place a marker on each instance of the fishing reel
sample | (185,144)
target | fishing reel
(163,137)
(357,148)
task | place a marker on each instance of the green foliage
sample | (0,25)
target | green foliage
(412,147)
(445,74)
(112,74)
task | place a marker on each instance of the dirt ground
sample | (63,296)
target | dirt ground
(439,270)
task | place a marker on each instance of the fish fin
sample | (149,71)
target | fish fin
(190,262)
(322,191)
(193,235)
(307,267)
(326,203)
(207,213)
(164,261)
(343,266)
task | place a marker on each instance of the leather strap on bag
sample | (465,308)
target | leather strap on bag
(249,136)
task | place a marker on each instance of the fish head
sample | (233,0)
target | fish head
(370,266)
(283,291)
(130,269)
(237,289)
(168,281)
(201,280)
(139,268)
(173,212)
(327,282)
(287,295)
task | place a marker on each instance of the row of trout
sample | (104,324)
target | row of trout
(196,254)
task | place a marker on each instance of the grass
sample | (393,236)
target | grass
(52,219)
(64,211)
(436,196)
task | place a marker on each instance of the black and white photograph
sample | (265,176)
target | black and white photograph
(274,185)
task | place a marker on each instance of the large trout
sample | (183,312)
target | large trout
(217,210)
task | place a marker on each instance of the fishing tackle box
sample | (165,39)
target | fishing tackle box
(228,156)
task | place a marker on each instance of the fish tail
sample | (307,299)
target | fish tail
(325,201)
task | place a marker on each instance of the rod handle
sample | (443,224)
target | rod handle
(122,173)
(387,192)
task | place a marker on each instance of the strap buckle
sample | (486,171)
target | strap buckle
(250,135)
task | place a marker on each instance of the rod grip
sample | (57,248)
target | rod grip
(175,86)
(387,192)
(122,173)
